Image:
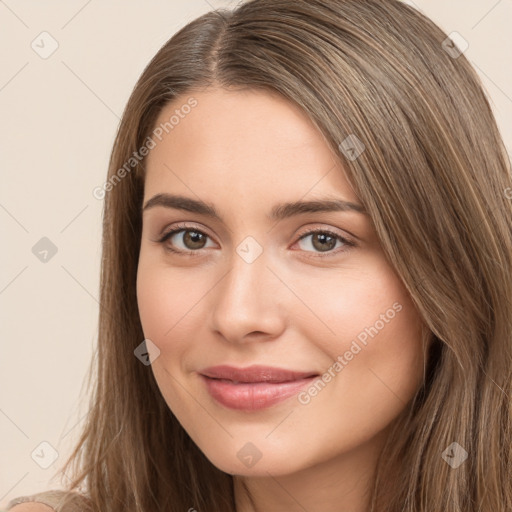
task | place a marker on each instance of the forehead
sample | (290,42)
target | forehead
(234,146)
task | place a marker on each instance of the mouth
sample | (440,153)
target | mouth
(255,374)
(255,390)
(229,381)
(256,382)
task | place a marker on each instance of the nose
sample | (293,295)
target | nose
(248,303)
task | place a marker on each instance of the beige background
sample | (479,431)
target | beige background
(59,117)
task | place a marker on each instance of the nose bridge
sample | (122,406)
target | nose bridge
(247,299)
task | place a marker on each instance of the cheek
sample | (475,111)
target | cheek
(171,309)
(152,302)
(354,302)
(155,303)
(372,337)
(163,296)
(165,311)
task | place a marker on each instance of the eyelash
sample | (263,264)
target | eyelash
(183,227)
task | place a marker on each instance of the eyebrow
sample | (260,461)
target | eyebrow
(278,212)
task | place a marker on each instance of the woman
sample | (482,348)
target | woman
(305,290)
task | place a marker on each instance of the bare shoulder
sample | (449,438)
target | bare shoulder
(31,507)
(50,501)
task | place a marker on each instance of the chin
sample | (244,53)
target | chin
(248,460)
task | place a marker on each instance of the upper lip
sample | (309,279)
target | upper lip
(255,373)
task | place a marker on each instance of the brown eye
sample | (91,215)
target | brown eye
(324,241)
(192,240)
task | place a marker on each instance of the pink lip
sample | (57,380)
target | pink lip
(255,373)
(255,387)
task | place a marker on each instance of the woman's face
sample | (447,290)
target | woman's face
(248,288)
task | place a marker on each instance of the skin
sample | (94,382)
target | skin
(245,151)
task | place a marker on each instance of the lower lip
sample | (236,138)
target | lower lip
(253,396)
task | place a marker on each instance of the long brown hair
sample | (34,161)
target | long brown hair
(433,176)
